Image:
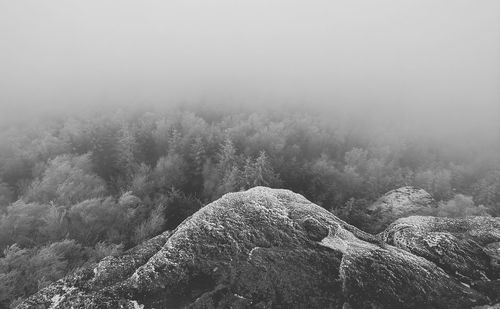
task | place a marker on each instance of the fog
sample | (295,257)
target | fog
(432,65)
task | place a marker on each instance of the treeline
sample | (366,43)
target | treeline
(76,189)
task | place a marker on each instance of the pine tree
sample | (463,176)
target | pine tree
(259,173)
(227,169)
(126,146)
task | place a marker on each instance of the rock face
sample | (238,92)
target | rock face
(467,248)
(262,248)
(399,203)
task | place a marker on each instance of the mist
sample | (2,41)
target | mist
(433,66)
(263,153)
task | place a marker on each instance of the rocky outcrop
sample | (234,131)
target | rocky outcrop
(81,290)
(399,203)
(466,248)
(262,248)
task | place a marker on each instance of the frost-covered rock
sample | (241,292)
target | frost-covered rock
(399,203)
(262,248)
(81,290)
(466,248)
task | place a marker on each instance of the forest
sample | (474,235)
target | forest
(75,189)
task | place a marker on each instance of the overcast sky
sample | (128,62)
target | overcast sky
(434,58)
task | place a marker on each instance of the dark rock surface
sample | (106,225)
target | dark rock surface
(399,203)
(262,248)
(467,248)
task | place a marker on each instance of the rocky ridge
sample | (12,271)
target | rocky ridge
(269,248)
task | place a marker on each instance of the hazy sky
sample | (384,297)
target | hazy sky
(421,59)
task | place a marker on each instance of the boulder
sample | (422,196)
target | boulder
(399,203)
(466,248)
(262,248)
